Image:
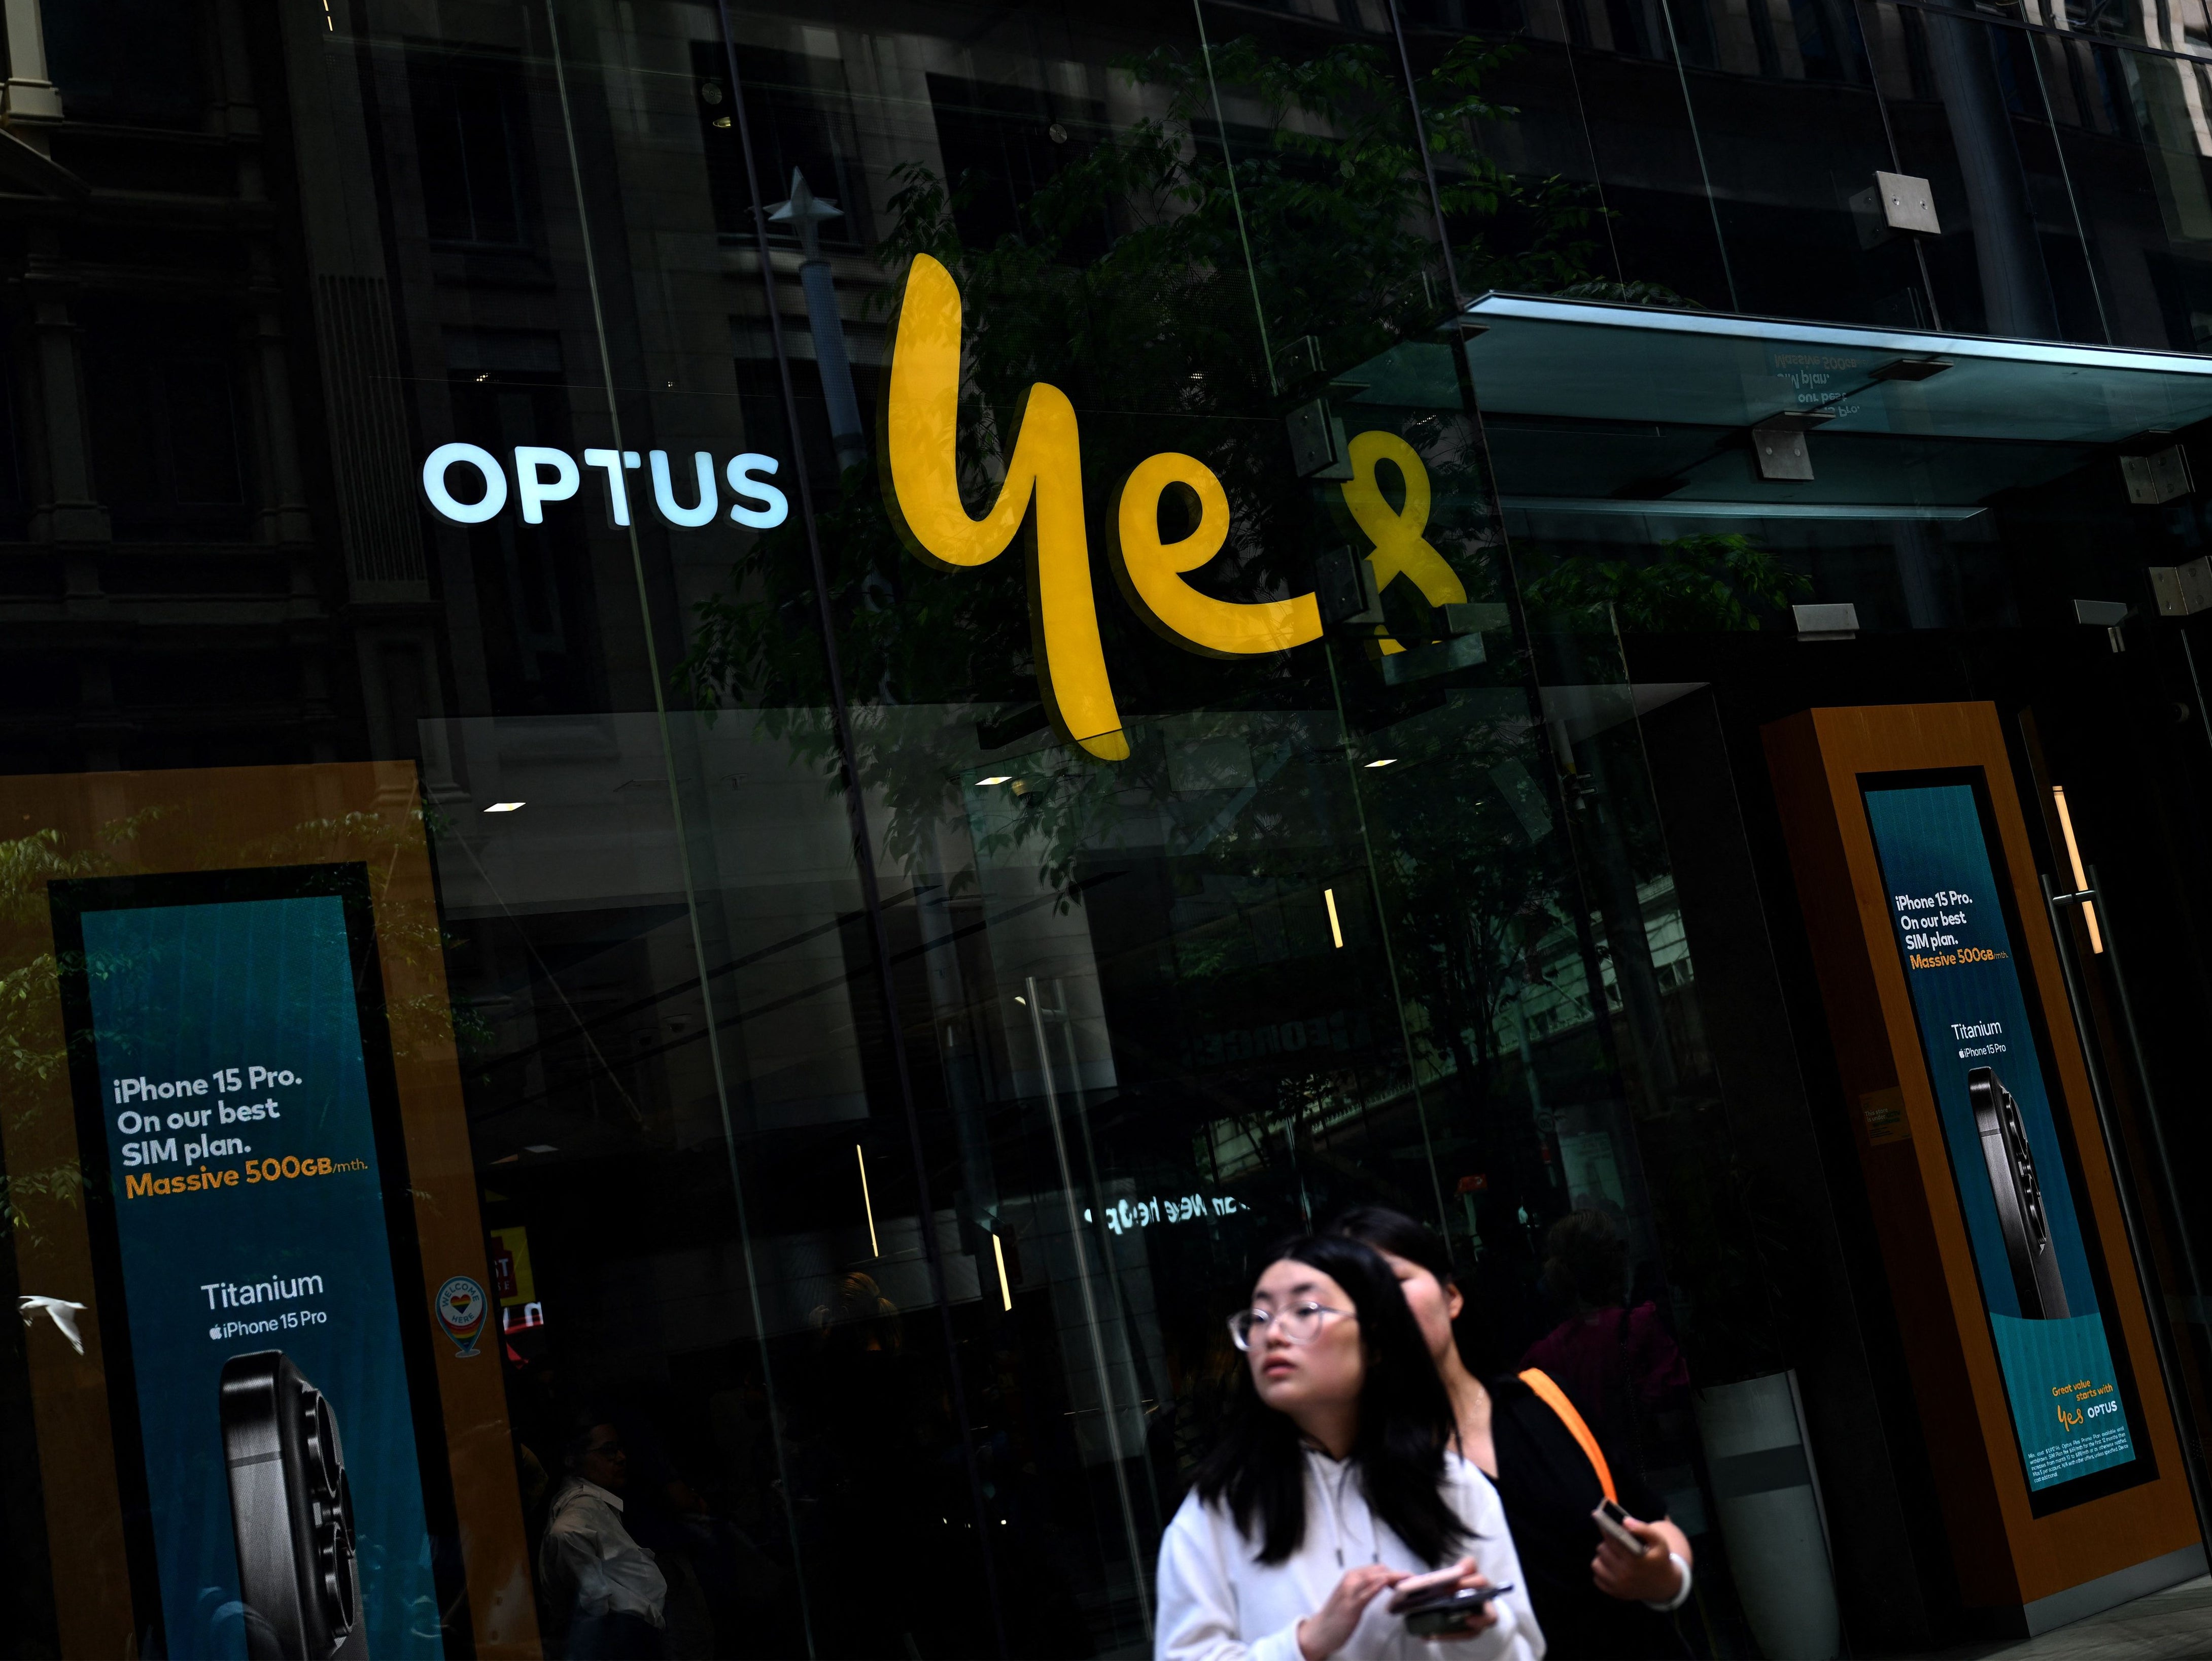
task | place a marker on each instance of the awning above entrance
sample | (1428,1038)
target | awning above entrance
(1608,408)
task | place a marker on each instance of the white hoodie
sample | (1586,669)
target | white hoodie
(1216,1603)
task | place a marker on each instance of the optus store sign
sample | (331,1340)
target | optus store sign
(1042,485)
(543,474)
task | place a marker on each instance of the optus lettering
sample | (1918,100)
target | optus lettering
(543,474)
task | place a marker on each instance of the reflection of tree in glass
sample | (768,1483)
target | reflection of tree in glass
(1470,895)
(1704,583)
(33,1053)
(1314,224)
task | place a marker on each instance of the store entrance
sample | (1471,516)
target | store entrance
(1955,525)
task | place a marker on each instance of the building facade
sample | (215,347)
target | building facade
(758,729)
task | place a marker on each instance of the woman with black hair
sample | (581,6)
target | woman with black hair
(1597,1600)
(1334,1482)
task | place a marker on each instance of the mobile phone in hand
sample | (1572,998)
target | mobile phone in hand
(1440,1610)
(1613,1523)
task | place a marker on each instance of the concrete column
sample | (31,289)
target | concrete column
(29,103)
(233,111)
(283,493)
(72,511)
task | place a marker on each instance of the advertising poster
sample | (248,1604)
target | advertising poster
(282,1485)
(1944,902)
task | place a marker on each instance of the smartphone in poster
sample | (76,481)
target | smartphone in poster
(259,1314)
(1945,904)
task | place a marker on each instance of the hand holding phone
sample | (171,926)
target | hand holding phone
(1329,1627)
(1613,1523)
(1440,1604)
(1634,1560)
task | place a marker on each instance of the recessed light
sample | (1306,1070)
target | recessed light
(503,807)
(995,778)
(1387,761)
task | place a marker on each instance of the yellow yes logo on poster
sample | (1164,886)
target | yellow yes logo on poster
(1045,467)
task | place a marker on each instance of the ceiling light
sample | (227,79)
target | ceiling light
(539,1148)
(1386,762)
(995,778)
(503,807)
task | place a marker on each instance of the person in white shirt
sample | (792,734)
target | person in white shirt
(605,1598)
(1333,1482)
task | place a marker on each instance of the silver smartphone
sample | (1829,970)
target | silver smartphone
(290,1511)
(2020,1216)
(1613,1523)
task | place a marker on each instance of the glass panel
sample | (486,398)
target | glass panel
(638,1063)
(1792,132)
(1637,106)
(2135,122)
(1552,232)
(1966,105)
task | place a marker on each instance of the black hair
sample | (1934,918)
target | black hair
(578,1440)
(1475,1333)
(1405,1425)
(1395,1232)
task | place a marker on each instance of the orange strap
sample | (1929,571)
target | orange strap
(1556,1399)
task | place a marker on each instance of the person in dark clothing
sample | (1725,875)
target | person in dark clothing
(1617,1361)
(1594,1597)
(1595,1600)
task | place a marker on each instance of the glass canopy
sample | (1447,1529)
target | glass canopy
(1608,408)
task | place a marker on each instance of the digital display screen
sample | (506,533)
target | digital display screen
(249,1249)
(1942,890)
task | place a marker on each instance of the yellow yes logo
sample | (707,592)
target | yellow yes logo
(1044,468)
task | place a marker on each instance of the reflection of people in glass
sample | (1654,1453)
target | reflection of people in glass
(605,1598)
(1593,1597)
(1619,1363)
(1335,1472)
(858,1318)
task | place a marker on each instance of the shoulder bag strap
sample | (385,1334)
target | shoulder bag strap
(1556,1399)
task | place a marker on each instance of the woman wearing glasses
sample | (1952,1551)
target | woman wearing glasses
(1334,1483)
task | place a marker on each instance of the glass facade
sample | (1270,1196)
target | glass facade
(842,697)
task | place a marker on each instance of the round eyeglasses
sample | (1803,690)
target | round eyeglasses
(1300,1324)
